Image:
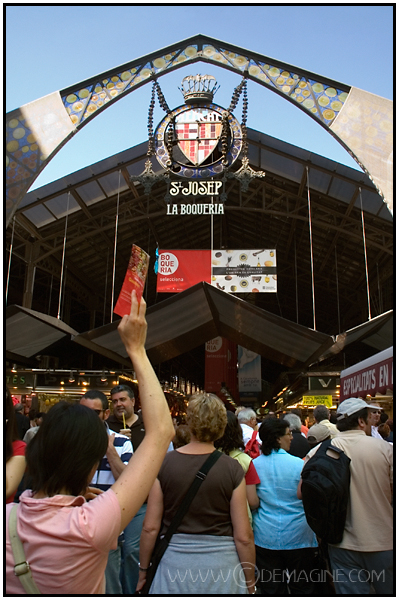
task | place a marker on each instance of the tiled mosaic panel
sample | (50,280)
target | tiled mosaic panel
(22,156)
(23,159)
(322,101)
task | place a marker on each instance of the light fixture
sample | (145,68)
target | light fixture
(103,377)
(71,377)
(14,368)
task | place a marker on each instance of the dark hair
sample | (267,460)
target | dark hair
(96,394)
(333,418)
(269,432)
(384,430)
(11,427)
(32,414)
(232,437)
(390,423)
(352,422)
(320,413)
(182,436)
(71,441)
(123,388)
(383,417)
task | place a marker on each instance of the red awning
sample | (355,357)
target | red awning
(369,377)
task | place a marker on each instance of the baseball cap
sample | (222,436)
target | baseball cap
(318,433)
(351,406)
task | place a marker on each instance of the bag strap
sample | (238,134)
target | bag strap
(253,437)
(21,567)
(188,498)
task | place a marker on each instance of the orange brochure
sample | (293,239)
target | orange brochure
(135,277)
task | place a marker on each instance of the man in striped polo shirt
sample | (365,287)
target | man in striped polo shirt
(118,454)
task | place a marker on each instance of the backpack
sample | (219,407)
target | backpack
(325,492)
(252,446)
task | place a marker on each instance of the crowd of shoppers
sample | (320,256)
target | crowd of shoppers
(102,491)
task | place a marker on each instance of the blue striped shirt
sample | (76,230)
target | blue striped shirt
(103,477)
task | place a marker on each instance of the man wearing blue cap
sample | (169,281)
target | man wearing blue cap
(362,562)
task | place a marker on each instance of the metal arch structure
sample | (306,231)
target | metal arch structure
(362,122)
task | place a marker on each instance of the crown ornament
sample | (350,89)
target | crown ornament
(198,88)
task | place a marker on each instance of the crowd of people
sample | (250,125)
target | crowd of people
(97,495)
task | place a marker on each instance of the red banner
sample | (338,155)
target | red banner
(179,270)
(215,364)
(221,367)
(369,377)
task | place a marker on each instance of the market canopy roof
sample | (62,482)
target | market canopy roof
(376,333)
(28,332)
(203,312)
(274,211)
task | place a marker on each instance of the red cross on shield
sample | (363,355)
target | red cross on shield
(198,131)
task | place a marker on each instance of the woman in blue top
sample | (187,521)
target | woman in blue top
(285,545)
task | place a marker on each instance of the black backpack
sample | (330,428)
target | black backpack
(325,492)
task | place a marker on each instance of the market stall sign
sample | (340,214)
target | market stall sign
(369,377)
(326,382)
(19,380)
(315,400)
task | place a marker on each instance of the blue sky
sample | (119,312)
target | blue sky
(50,47)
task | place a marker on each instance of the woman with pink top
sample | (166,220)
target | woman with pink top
(65,538)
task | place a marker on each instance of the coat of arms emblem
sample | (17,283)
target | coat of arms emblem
(200,138)
(198,131)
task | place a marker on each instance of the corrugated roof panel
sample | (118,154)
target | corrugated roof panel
(61,205)
(319,181)
(342,190)
(113,182)
(368,201)
(280,165)
(39,215)
(90,193)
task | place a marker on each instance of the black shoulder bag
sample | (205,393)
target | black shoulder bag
(177,519)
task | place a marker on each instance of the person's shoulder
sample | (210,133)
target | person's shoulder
(119,436)
(291,458)
(382,445)
(18,447)
(138,423)
(238,454)
(113,423)
(226,459)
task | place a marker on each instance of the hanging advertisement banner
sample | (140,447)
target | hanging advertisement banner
(249,371)
(180,269)
(234,271)
(221,367)
(241,271)
(216,359)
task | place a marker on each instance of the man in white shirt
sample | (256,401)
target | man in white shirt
(362,562)
(322,416)
(249,424)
